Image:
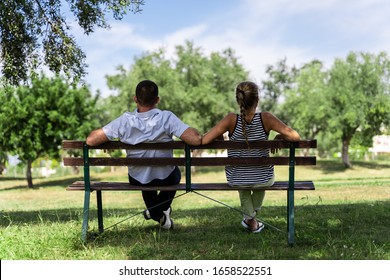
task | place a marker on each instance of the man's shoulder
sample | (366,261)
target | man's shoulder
(126,114)
(166,113)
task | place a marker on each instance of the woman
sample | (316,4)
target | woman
(250,125)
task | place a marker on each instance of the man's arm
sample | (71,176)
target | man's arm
(97,137)
(191,136)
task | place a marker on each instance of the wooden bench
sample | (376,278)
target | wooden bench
(187,161)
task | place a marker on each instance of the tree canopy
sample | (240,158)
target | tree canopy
(351,100)
(306,106)
(198,88)
(280,78)
(35,119)
(36,33)
(359,97)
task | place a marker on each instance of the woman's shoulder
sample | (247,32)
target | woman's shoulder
(231,115)
(267,116)
(231,118)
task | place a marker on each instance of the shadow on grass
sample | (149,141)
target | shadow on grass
(20,218)
(3,178)
(332,166)
(47,182)
(347,231)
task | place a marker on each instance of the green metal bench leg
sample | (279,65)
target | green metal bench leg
(87,193)
(290,218)
(100,210)
(290,198)
(188,168)
(84,228)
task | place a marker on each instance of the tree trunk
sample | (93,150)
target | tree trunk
(344,153)
(29,174)
(3,161)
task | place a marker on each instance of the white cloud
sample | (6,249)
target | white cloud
(260,32)
(183,34)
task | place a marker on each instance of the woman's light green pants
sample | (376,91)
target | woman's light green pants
(252,200)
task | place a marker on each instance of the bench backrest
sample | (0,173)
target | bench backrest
(188,160)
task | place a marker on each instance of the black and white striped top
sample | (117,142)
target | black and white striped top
(250,174)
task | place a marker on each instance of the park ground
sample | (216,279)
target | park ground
(347,217)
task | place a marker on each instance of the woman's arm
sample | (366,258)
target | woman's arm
(273,123)
(226,124)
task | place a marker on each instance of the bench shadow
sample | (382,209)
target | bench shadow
(45,184)
(331,166)
(339,225)
(341,228)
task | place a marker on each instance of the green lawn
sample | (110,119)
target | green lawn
(347,217)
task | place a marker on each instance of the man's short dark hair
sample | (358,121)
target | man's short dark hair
(146,93)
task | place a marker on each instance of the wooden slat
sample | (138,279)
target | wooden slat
(125,186)
(75,144)
(72,144)
(72,161)
(263,144)
(222,161)
(204,161)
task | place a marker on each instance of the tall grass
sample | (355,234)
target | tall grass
(346,217)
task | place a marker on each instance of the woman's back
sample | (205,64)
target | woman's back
(249,175)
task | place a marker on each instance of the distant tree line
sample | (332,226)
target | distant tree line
(346,104)
(342,106)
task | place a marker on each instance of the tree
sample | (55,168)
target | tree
(198,88)
(207,85)
(35,33)
(281,78)
(359,97)
(306,103)
(153,66)
(3,161)
(35,119)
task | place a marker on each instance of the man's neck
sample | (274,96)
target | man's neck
(143,109)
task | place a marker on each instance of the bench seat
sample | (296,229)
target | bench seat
(125,186)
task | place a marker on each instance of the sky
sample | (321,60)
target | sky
(261,32)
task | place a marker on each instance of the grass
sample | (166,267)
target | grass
(347,217)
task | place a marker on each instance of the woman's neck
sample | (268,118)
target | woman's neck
(249,114)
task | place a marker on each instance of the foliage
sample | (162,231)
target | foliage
(35,119)
(198,88)
(36,32)
(350,101)
(281,78)
(308,117)
(359,97)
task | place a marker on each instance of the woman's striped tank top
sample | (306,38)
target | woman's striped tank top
(250,174)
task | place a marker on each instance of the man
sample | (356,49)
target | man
(149,124)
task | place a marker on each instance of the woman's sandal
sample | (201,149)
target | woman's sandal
(259,226)
(244,224)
